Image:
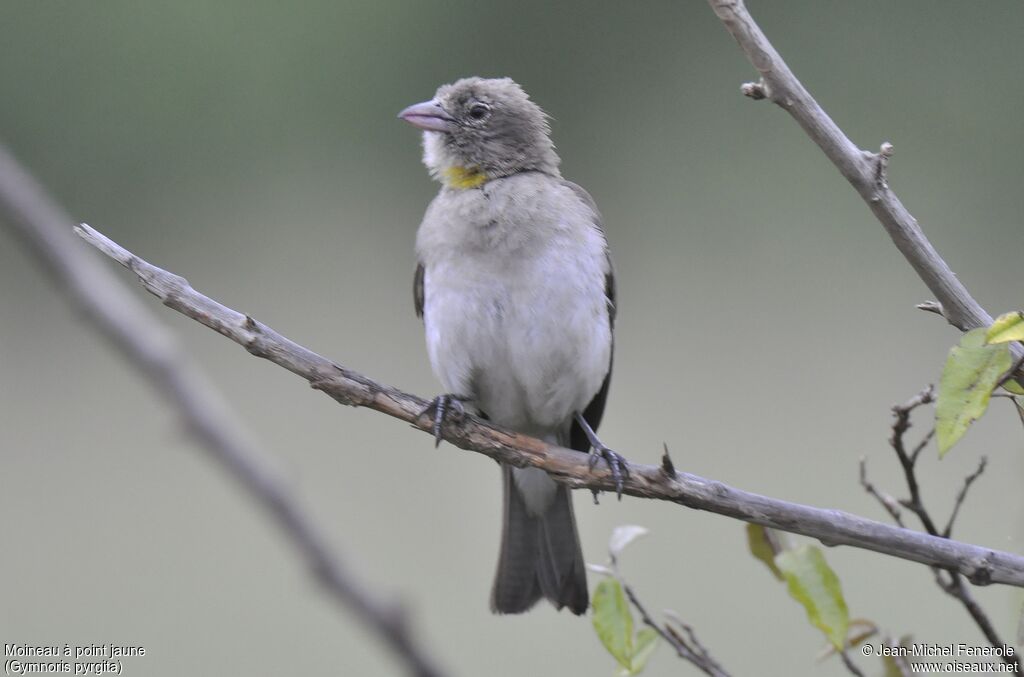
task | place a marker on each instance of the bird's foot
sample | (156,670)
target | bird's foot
(617,463)
(444,406)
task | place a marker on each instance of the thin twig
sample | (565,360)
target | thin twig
(853,669)
(921,444)
(957,589)
(901,424)
(831,527)
(147,345)
(691,635)
(951,582)
(890,504)
(1012,371)
(961,495)
(688,648)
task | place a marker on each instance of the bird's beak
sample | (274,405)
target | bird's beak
(427,115)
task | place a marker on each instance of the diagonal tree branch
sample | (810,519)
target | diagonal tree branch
(115,311)
(684,640)
(865,171)
(832,527)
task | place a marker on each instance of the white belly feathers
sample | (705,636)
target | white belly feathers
(514,300)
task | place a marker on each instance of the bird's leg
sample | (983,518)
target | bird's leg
(616,462)
(448,404)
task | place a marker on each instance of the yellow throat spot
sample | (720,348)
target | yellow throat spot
(463,177)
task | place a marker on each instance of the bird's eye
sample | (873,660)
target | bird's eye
(478,111)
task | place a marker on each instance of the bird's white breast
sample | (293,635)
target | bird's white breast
(514,304)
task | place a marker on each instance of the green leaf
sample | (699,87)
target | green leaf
(764,547)
(613,621)
(1007,327)
(972,370)
(1013,387)
(813,583)
(646,641)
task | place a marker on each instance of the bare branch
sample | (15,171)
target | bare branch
(680,636)
(686,633)
(901,424)
(922,444)
(890,504)
(961,495)
(1012,371)
(684,643)
(832,527)
(951,582)
(864,170)
(850,666)
(116,312)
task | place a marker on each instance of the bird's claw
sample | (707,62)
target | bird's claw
(617,463)
(444,406)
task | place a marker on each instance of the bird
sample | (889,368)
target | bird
(516,290)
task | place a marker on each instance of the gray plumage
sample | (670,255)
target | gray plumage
(515,287)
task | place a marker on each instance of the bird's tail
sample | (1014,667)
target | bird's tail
(540,554)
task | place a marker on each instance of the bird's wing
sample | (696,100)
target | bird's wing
(609,277)
(595,409)
(417,290)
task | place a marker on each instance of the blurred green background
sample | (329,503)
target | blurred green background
(766,322)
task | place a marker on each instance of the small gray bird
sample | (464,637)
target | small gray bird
(515,288)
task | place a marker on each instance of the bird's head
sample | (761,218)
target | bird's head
(477,129)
